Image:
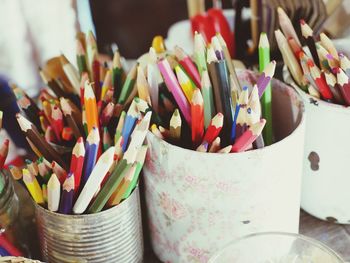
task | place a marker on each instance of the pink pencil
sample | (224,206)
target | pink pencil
(248,137)
(174,87)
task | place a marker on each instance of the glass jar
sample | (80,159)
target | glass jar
(11,225)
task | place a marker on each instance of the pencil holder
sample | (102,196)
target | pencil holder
(198,202)
(325,192)
(113,235)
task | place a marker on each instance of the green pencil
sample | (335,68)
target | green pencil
(128,85)
(117,75)
(266,99)
(2,182)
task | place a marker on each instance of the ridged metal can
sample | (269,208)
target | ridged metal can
(113,235)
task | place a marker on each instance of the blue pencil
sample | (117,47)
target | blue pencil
(129,124)
(91,149)
(4,252)
(233,130)
(66,204)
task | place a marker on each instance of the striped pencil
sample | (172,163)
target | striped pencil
(53,193)
(197,113)
(66,202)
(33,186)
(94,181)
(248,137)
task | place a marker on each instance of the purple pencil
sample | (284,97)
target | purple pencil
(266,77)
(174,87)
(66,203)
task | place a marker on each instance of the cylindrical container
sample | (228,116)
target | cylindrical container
(326,176)
(113,235)
(198,202)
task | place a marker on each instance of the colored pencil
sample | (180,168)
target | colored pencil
(90,107)
(128,85)
(91,149)
(286,25)
(107,84)
(322,55)
(187,64)
(81,57)
(113,181)
(156,132)
(175,125)
(208,100)
(344,86)
(106,139)
(119,129)
(320,81)
(68,114)
(215,146)
(185,83)
(203,147)
(214,128)
(289,57)
(129,123)
(240,121)
(77,162)
(117,74)
(107,114)
(32,186)
(67,197)
(266,98)
(175,89)
(328,44)
(4,152)
(226,149)
(142,86)
(200,53)
(53,193)
(9,247)
(197,113)
(154,79)
(308,35)
(15,172)
(345,64)
(266,76)
(52,83)
(248,137)
(331,81)
(93,183)
(71,73)
(33,135)
(57,121)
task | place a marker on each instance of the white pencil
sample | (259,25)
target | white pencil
(53,193)
(95,179)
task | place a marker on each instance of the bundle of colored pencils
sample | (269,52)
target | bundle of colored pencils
(205,106)
(316,67)
(88,117)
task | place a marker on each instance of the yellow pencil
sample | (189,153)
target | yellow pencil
(33,186)
(107,83)
(185,83)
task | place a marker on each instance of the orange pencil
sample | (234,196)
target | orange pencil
(90,107)
(197,117)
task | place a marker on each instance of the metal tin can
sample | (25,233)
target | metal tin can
(198,202)
(113,235)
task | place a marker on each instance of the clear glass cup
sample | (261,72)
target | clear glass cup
(276,247)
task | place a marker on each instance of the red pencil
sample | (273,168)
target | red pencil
(197,116)
(96,77)
(4,152)
(77,162)
(107,114)
(190,68)
(59,171)
(9,247)
(320,81)
(344,85)
(248,137)
(214,128)
(57,121)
